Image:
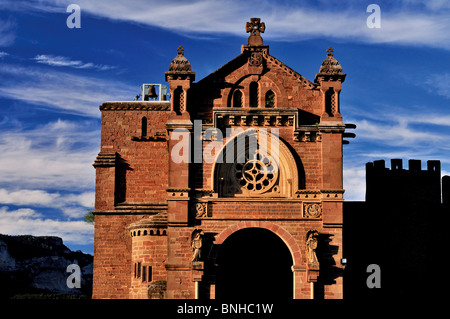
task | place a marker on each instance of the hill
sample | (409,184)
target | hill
(36,267)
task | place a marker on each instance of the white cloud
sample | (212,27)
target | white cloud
(43,198)
(443,120)
(439,83)
(409,22)
(397,134)
(37,159)
(3,54)
(26,197)
(62,61)
(355,183)
(7,32)
(85,199)
(62,91)
(434,5)
(393,132)
(27,221)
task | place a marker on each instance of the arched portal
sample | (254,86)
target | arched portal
(254,263)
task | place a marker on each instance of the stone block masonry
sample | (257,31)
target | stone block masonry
(164,227)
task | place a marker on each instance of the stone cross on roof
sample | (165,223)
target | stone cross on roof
(180,50)
(255,27)
(330,51)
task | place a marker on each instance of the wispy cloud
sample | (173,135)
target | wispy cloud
(408,22)
(47,168)
(28,221)
(434,5)
(439,83)
(62,61)
(71,205)
(7,32)
(354,183)
(398,134)
(63,91)
(35,162)
(56,155)
(393,132)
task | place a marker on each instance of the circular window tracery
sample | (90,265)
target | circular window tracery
(257,175)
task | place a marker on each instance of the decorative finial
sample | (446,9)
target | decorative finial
(330,51)
(180,50)
(255,27)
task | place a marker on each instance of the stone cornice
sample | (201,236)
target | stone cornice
(105,159)
(134,208)
(295,75)
(136,106)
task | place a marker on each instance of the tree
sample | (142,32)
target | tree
(89,216)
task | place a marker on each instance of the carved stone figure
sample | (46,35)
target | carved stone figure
(311,245)
(196,244)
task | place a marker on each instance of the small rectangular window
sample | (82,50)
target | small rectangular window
(144,273)
(150,275)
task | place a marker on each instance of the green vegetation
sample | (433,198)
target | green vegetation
(89,216)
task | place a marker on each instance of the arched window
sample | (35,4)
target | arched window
(144,127)
(254,94)
(270,99)
(237,98)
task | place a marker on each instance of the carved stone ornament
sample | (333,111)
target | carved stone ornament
(256,59)
(180,63)
(312,238)
(257,175)
(330,68)
(313,210)
(200,210)
(196,244)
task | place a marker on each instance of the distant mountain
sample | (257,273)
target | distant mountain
(36,267)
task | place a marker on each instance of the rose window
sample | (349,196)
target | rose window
(258,174)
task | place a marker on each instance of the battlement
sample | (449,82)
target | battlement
(415,166)
(412,186)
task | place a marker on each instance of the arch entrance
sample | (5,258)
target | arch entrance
(254,263)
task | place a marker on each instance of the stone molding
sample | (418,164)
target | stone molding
(136,106)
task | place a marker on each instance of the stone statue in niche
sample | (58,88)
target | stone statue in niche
(311,245)
(196,244)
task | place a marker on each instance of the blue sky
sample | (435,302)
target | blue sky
(52,80)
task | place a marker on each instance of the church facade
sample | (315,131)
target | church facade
(232,188)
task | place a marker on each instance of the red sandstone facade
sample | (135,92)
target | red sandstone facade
(149,207)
